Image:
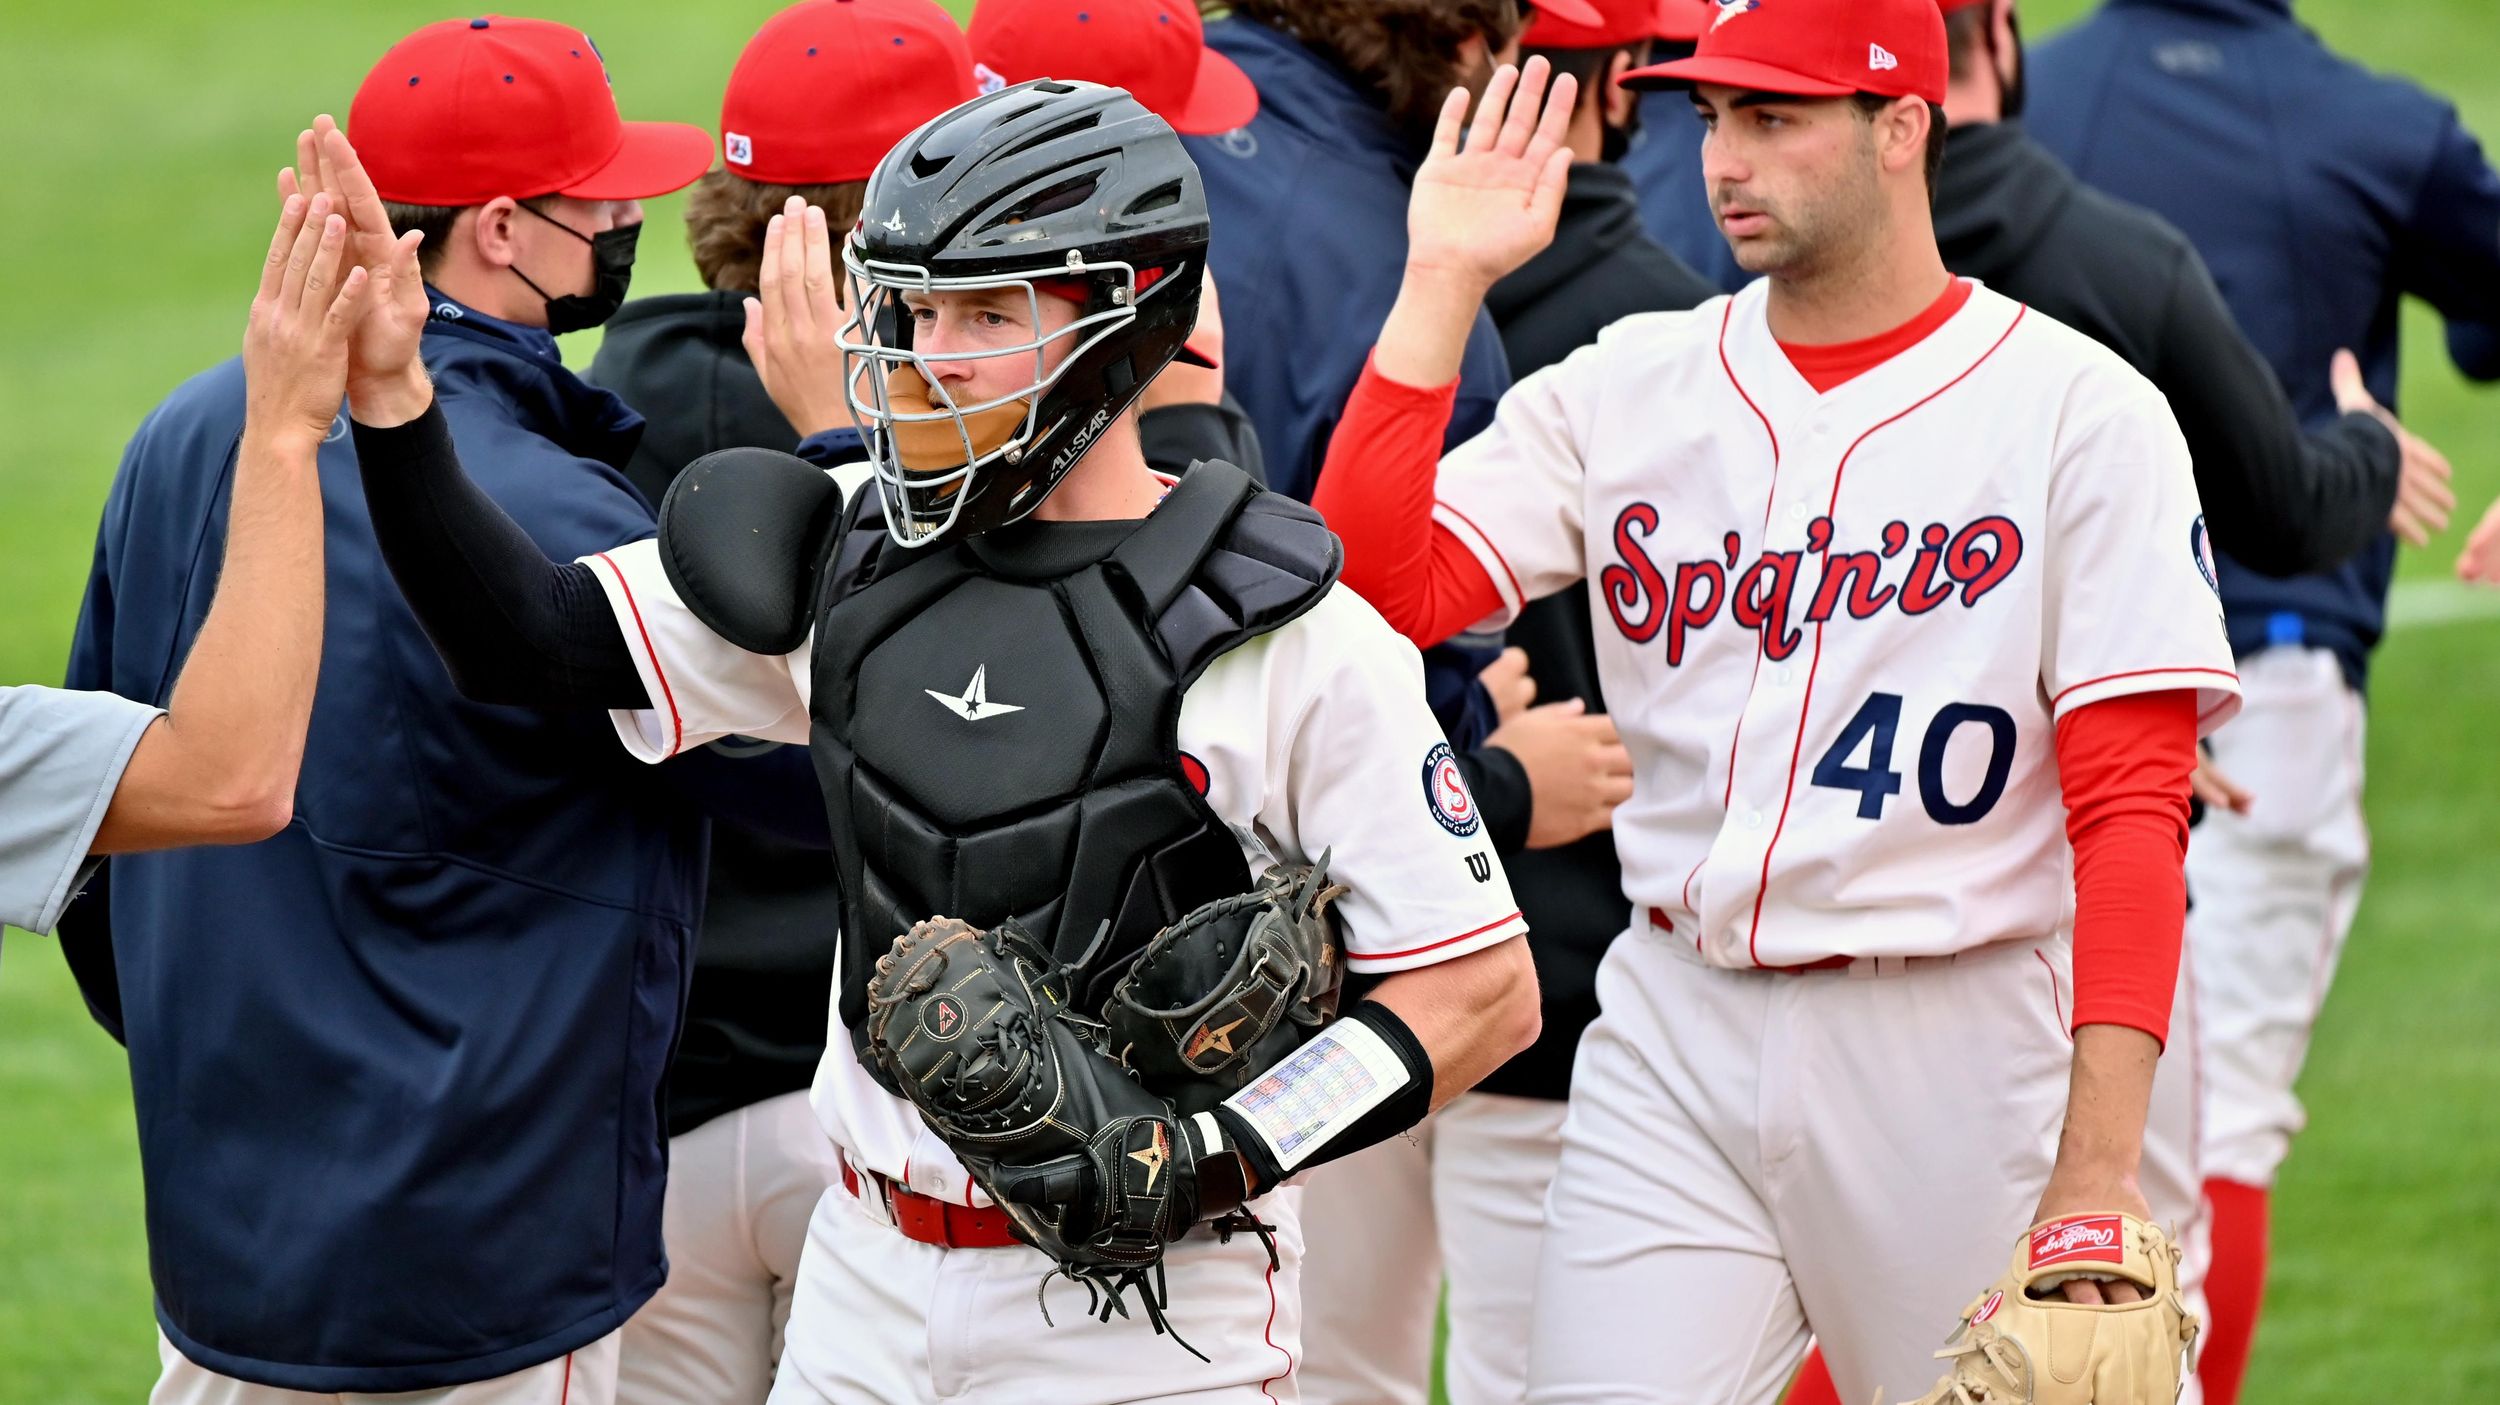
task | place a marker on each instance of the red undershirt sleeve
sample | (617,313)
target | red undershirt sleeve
(1375,489)
(2123,766)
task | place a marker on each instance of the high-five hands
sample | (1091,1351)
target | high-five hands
(295,347)
(793,319)
(386,383)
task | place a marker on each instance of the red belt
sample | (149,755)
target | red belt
(1658,918)
(929,1220)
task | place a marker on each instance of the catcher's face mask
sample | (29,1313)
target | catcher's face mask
(949,377)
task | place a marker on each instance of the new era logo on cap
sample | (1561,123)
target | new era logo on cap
(1815,49)
(738,147)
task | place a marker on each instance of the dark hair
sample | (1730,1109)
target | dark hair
(1588,66)
(1404,50)
(435,220)
(1870,105)
(726,214)
(1966,37)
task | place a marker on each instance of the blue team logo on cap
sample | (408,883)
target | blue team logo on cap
(1445,789)
(1730,9)
(2201,546)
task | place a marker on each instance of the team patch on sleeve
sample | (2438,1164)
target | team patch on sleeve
(2201,547)
(1445,789)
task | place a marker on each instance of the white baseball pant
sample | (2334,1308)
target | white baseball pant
(740,1190)
(2172,1176)
(583,1377)
(2275,892)
(1464,1195)
(884,1320)
(1752,1156)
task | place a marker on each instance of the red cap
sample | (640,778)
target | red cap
(1157,49)
(1949,6)
(1580,12)
(1815,49)
(1619,22)
(827,87)
(464,111)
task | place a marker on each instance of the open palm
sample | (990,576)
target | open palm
(1484,209)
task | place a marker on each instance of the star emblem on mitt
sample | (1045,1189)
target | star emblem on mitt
(1218,1038)
(1153,1157)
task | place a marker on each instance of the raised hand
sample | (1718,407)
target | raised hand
(793,319)
(1479,211)
(2423,495)
(295,346)
(386,381)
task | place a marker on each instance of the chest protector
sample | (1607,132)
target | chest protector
(995,720)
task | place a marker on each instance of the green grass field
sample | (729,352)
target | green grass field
(145,137)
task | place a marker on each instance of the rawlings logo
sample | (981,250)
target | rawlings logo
(1763,594)
(2099,1238)
(1989,1308)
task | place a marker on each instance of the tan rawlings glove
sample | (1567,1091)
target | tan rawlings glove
(2022,1343)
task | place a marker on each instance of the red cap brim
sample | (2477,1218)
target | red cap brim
(654,159)
(1579,12)
(1748,74)
(1221,98)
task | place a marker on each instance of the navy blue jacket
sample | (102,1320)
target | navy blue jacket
(1309,207)
(2317,191)
(1666,166)
(398,1070)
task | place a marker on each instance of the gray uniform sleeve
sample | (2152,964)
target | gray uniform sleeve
(61,758)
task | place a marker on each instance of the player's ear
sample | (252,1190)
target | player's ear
(1901,134)
(1617,101)
(490,233)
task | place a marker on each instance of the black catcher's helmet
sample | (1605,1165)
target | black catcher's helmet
(1073,186)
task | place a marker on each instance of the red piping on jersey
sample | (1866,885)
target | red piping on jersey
(676,727)
(568,1380)
(2139,673)
(1431,946)
(1490,549)
(1271,1336)
(2057,1002)
(1770,498)
(1805,705)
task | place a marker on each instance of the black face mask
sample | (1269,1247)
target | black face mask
(612,272)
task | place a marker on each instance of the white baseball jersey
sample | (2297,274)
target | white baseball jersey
(1313,737)
(1836,630)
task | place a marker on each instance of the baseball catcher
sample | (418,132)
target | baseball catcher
(1064,710)
(2022,1343)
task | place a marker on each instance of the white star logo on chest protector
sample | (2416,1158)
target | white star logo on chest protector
(975,704)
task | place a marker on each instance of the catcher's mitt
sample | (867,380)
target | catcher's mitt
(1091,1168)
(2017,1347)
(1223,995)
